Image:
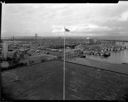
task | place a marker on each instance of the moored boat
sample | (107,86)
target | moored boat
(106,54)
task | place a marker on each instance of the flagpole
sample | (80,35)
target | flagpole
(64,70)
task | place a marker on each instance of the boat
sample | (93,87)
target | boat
(83,56)
(106,54)
(124,63)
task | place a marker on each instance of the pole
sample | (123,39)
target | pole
(64,70)
(1,21)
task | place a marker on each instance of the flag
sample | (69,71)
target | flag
(67,30)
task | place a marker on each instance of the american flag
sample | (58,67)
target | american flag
(66,30)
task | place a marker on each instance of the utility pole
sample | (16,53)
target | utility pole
(36,37)
(1,21)
(13,39)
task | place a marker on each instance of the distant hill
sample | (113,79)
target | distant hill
(73,35)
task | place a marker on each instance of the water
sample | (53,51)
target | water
(119,57)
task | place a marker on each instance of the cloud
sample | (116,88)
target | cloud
(81,28)
(57,28)
(33,18)
(124,16)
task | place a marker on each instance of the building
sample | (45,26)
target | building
(69,54)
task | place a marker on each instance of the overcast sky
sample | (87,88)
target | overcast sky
(49,19)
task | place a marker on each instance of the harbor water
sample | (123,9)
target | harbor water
(118,57)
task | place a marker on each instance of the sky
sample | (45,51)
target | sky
(50,19)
